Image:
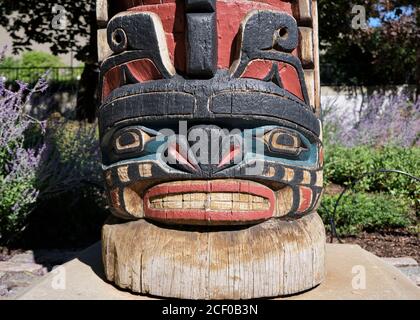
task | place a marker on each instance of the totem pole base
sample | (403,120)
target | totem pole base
(85,279)
(274,258)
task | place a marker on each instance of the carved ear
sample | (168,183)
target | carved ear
(140,51)
(265,30)
(267,35)
(142,31)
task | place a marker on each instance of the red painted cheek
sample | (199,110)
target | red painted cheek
(144,70)
(305,199)
(257,69)
(290,79)
(111,81)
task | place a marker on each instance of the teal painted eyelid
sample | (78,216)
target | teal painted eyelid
(306,158)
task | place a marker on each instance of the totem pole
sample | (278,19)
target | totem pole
(211,147)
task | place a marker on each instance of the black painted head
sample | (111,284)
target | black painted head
(201,142)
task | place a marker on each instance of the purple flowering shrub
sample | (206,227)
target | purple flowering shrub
(50,177)
(384,120)
(18,162)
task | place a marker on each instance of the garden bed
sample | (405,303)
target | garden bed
(387,244)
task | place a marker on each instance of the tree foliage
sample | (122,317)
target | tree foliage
(30,21)
(384,53)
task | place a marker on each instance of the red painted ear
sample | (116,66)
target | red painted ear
(141,70)
(261,69)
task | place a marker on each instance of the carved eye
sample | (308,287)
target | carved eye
(118,40)
(130,140)
(284,141)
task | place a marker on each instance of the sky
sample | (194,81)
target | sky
(391,15)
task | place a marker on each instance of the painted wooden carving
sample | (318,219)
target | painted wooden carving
(211,147)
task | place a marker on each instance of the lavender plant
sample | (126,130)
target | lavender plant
(18,162)
(384,120)
(71,158)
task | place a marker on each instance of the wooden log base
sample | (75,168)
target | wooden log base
(275,258)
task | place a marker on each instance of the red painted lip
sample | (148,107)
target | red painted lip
(208,216)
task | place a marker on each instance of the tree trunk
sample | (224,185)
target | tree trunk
(87,91)
(86,95)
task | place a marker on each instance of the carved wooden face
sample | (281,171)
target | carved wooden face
(205,116)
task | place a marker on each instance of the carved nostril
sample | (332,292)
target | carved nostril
(180,157)
(176,153)
(206,144)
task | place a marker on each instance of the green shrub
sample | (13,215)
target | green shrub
(9,62)
(366,212)
(72,161)
(343,165)
(40,60)
(33,64)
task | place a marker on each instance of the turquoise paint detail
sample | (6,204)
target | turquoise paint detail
(308,158)
(251,138)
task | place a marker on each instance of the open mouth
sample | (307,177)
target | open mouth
(209,201)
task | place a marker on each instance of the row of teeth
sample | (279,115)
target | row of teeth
(210,201)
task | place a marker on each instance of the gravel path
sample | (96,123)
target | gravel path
(19,269)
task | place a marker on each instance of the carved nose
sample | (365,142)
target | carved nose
(206,149)
(213,148)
